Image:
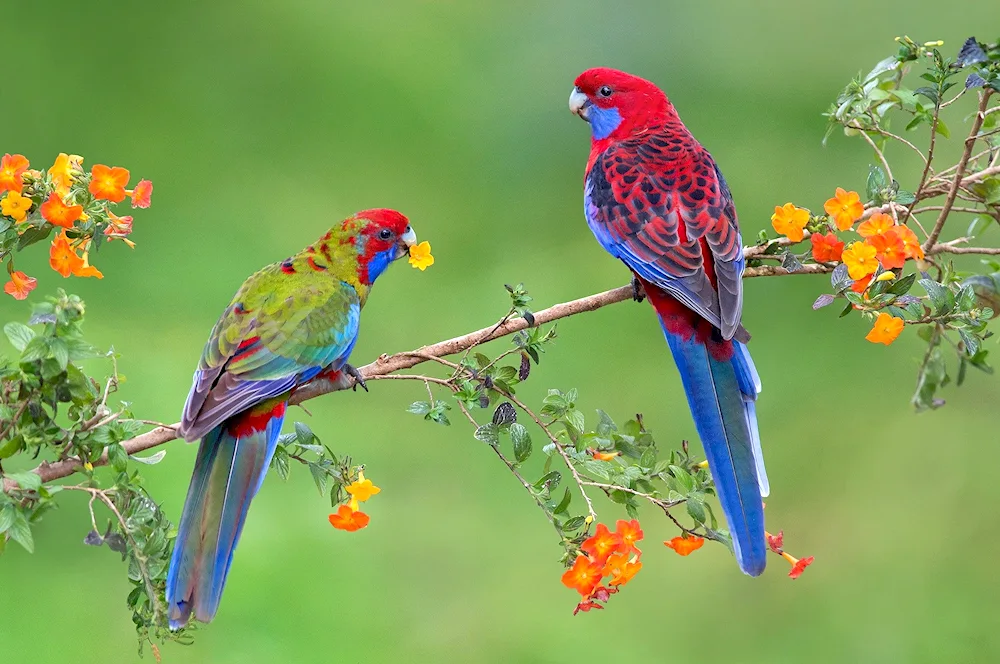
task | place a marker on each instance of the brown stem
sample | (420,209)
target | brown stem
(970,143)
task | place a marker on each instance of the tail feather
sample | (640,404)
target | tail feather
(232,461)
(721,393)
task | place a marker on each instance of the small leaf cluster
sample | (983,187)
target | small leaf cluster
(330,473)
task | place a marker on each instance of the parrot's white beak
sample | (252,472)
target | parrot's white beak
(409,238)
(578,103)
(406,240)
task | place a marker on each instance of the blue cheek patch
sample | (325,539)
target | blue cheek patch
(379,263)
(603,121)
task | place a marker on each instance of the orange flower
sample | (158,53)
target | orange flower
(15,206)
(12,167)
(891,251)
(62,257)
(861,285)
(19,285)
(624,573)
(141,194)
(602,544)
(790,221)
(860,260)
(876,225)
(684,545)
(911,245)
(64,172)
(826,248)
(348,519)
(885,330)
(109,182)
(583,576)
(602,456)
(799,566)
(57,213)
(845,208)
(630,533)
(86,270)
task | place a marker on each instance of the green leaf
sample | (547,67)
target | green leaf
(605,424)
(280,462)
(970,341)
(8,514)
(304,434)
(938,294)
(32,235)
(574,524)
(575,418)
(489,434)
(319,477)
(684,478)
(840,279)
(59,351)
(823,300)
(696,507)
(521,439)
(27,480)
(559,509)
(118,457)
(877,181)
(152,459)
(20,532)
(19,334)
(37,349)
(902,286)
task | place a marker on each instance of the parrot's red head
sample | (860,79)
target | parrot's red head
(380,237)
(617,104)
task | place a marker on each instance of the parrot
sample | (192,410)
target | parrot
(287,324)
(655,199)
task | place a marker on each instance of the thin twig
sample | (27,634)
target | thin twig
(970,143)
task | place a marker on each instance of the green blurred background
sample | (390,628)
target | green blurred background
(263,123)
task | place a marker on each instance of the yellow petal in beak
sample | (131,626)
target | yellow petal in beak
(420,255)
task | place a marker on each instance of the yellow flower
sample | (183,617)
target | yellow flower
(64,171)
(420,255)
(362,489)
(860,260)
(844,208)
(885,330)
(790,221)
(15,206)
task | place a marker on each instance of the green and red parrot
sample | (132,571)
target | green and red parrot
(655,199)
(287,324)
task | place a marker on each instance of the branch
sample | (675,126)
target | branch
(970,143)
(390,364)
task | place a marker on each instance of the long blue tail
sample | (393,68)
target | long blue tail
(721,394)
(232,461)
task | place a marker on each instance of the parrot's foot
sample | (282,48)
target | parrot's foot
(638,292)
(356,375)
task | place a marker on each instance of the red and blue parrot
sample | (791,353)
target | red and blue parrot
(655,199)
(287,324)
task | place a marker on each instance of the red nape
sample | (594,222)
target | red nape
(681,321)
(254,420)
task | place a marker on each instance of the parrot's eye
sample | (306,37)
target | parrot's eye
(604,91)
(384,234)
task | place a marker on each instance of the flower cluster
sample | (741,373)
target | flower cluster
(883,247)
(349,517)
(66,199)
(605,554)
